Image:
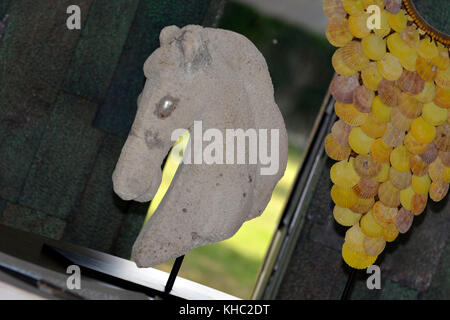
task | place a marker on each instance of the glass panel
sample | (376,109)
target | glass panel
(289,35)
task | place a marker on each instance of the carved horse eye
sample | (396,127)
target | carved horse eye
(165,106)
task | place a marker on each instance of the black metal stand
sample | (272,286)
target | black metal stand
(178,261)
(173,274)
(349,285)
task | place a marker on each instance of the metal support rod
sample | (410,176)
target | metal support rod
(173,274)
(349,285)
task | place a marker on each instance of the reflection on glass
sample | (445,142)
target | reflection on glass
(299,63)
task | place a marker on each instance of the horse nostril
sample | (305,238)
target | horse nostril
(165,106)
(125,187)
(120,190)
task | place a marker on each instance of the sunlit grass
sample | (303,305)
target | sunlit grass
(232,265)
(170,168)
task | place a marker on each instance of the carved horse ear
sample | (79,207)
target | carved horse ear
(191,44)
(195,51)
(168,34)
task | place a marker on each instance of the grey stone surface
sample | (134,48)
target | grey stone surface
(220,78)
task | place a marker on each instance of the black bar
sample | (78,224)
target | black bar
(349,285)
(173,274)
(81,258)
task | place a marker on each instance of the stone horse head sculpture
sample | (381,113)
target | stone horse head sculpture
(217,77)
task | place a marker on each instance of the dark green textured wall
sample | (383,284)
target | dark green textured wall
(67,101)
(435,12)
